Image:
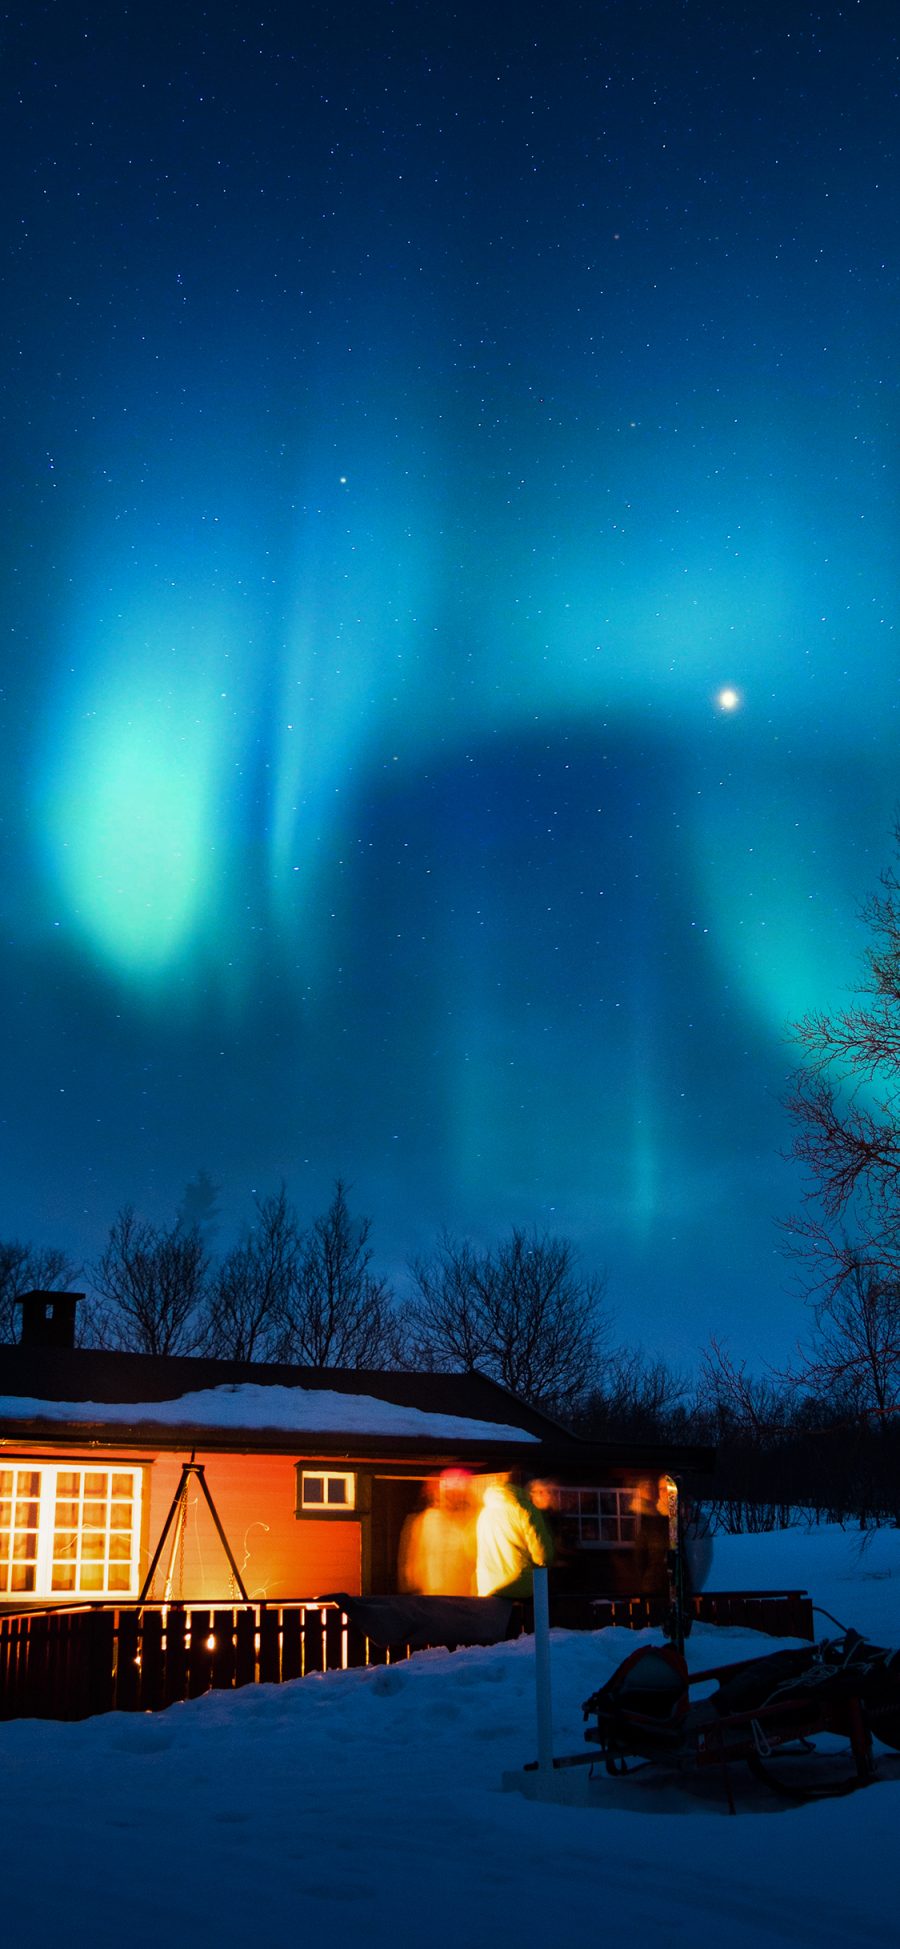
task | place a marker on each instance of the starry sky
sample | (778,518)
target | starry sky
(449,597)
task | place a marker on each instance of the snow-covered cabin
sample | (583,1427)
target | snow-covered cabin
(312,1473)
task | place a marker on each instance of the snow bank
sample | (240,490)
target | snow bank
(365,1808)
(853,1573)
(294,1410)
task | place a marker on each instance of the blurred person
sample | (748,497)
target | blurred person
(649,1506)
(512,1536)
(543,1496)
(437,1543)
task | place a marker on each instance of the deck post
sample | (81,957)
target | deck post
(543,1697)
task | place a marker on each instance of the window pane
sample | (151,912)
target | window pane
(627,1529)
(313,1488)
(65,1543)
(26,1515)
(5,1512)
(22,1576)
(93,1548)
(120,1516)
(6,1482)
(67,1482)
(67,1515)
(119,1576)
(590,1529)
(122,1485)
(91,1576)
(63,1576)
(29,1482)
(120,1549)
(25,1547)
(94,1515)
(568,1501)
(337,1489)
(95,1484)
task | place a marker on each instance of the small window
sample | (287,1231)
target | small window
(596,1519)
(327,1489)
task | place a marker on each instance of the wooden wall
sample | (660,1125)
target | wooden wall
(278,1556)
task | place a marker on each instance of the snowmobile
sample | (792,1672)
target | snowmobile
(766,1712)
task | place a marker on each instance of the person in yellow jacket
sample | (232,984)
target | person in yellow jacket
(511,1536)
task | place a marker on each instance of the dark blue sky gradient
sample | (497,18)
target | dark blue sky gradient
(412,419)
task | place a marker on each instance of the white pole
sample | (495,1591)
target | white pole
(542,1671)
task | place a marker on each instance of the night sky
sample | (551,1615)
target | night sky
(449,596)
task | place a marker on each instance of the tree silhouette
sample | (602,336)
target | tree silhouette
(520,1311)
(250,1292)
(151,1287)
(338,1312)
(29,1268)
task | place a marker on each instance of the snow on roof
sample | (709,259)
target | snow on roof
(295,1410)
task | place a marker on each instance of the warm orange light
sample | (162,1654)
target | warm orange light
(437,1543)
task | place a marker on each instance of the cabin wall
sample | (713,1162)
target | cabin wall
(610,1539)
(279,1557)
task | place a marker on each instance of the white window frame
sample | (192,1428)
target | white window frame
(326,1508)
(48,1494)
(624,1510)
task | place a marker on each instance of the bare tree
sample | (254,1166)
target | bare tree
(250,1292)
(521,1312)
(752,1419)
(637,1399)
(853,1358)
(29,1268)
(151,1286)
(338,1313)
(758,1407)
(446,1322)
(845,1102)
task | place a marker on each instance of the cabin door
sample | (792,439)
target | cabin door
(393,1499)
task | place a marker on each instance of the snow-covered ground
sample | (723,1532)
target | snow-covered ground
(367,1808)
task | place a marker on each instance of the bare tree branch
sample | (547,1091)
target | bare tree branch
(520,1312)
(151,1283)
(250,1290)
(29,1268)
(337,1312)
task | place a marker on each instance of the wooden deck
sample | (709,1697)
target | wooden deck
(70,1663)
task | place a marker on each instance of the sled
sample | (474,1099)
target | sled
(764,1712)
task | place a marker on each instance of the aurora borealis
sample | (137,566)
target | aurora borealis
(414,420)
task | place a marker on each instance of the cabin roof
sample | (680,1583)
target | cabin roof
(80,1394)
(70,1385)
(99,1374)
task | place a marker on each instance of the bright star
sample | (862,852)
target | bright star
(728,699)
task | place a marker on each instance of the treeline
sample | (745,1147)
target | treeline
(522,1311)
(824,1435)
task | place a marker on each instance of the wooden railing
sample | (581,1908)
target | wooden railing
(69,1664)
(72,1663)
(780,1613)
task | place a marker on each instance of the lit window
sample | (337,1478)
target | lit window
(69,1532)
(327,1489)
(596,1519)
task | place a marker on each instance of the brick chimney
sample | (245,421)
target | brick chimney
(48,1319)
